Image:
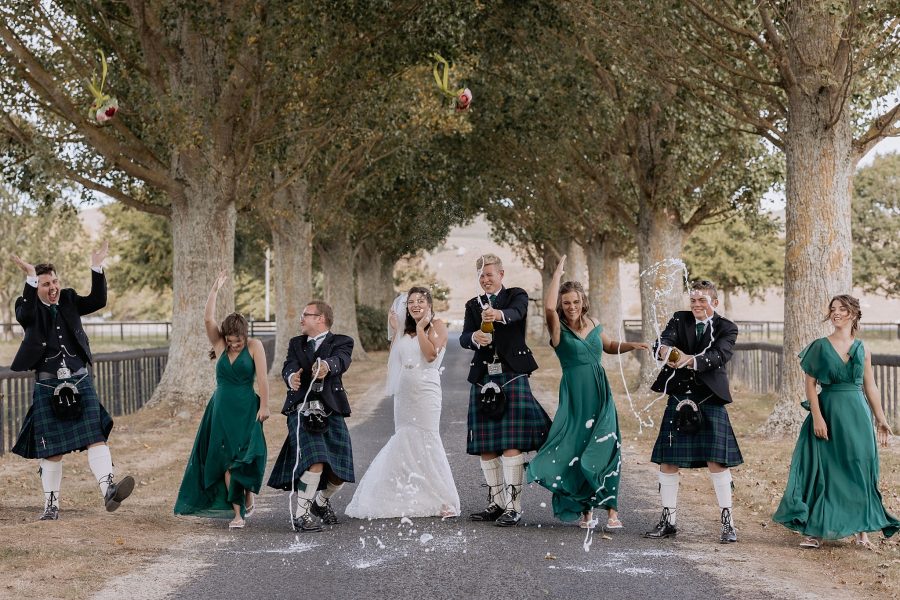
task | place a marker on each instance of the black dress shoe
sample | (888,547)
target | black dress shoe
(51,513)
(305,523)
(326,513)
(509,518)
(116,492)
(663,529)
(729,535)
(491,513)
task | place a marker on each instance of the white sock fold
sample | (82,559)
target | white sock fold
(722,484)
(668,493)
(100,461)
(514,474)
(311,482)
(330,490)
(51,479)
(493,476)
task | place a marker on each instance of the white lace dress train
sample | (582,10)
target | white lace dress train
(410,476)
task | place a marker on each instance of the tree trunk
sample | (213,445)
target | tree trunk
(6,321)
(374,278)
(203,244)
(337,258)
(726,302)
(819,160)
(604,289)
(576,263)
(660,244)
(292,248)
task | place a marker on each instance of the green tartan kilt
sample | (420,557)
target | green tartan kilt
(715,442)
(43,435)
(523,427)
(332,448)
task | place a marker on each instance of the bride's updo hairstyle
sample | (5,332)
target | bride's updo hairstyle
(409,326)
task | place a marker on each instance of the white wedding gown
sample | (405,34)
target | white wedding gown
(411,476)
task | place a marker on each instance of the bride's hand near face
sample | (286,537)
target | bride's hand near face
(426,319)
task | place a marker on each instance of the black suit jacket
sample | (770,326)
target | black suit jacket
(35,319)
(509,338)
(681,333)
(335,350)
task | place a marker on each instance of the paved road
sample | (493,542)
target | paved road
(430,558)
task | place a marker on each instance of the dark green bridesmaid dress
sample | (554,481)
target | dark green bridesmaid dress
(581,460)
(832,488)
(229,438)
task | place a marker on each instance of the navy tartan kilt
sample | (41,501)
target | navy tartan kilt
(524,426)
(43,435)
(332,448)
(715,442)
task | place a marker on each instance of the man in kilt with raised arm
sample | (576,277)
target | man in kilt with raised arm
(316,405)
(695,431)
(504,418)
(65,414)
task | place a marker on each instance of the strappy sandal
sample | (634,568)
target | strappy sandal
(587,520)
(863,542)
(810,542)
(614,523)
(248,510)
(237,524)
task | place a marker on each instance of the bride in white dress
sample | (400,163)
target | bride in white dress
(411,476)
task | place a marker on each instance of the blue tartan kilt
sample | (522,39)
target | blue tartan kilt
(524,425)
(715,442)
(332,448)
(43,435)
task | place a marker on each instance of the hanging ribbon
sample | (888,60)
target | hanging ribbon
(104,106)
(441,72)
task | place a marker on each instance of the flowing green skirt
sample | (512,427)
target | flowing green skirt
(832,489)
(229,439)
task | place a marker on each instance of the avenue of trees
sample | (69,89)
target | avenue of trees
(644,130)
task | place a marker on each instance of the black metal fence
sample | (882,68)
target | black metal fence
(125,381)
(151,331)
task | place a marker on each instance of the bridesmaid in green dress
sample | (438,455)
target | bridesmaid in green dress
(581,460)
(228,460)
(832,489)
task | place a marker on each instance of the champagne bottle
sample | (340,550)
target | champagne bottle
(487,327)
(674,355)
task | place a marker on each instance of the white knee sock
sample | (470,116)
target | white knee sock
(493,476)
(305,496)
(330,490)
(100,461)
(51,478)
(722,484)
(668,492)
(514,474)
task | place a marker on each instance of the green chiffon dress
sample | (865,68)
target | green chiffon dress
(832,488)
(230,438)
(581,460)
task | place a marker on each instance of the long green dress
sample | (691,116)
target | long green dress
(581,460)
(229,438)
(832,489)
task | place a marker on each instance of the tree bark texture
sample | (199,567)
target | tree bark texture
(337,257)
(660,244)
(818,150)
(292,249)
(375,278)
(604,287)
(203,240)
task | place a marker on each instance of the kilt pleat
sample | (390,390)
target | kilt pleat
(715,442)
(43,435)
(331,448)
(524,426)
